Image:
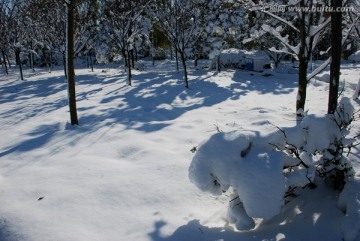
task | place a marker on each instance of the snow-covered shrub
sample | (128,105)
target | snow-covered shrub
(260,171)
(229,58)
(236,58)
(159,54)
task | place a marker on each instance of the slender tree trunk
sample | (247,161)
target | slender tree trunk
(218,65)
(18,60)
(129,76)
(123,52)
(183,60)
(32,62)
(302,86)
(50,61)
(64,62)
(91,61)
(17,57)
(196,62)
(4,62)
(303,64)
(31,57)
(70,63)
(132,57)
(8,60)
(177,60)
(336,49)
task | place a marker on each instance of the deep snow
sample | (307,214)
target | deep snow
(123,173)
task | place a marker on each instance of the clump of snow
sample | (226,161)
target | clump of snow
(253,172)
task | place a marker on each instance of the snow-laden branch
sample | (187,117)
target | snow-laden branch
(283,40)
(282,20)
(327,62)
(317,29)
(318,69)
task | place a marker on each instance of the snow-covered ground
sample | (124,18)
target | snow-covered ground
(123,173)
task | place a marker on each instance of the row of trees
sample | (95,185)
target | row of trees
(36,29)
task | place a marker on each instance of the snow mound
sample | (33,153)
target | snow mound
(254,173)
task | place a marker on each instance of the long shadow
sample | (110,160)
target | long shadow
(158,98)
(154,102)
(32,96)
(36,139)
(275,83)
(299,220)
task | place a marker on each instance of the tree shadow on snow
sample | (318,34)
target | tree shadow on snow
(33,140)
(312,217)
(6,234)
(152,103)
(155,99)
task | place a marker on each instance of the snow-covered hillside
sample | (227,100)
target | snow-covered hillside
(122,174)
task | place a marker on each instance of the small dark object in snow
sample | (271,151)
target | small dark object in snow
(246,151)
(267,75)
(194,149)
(40,198)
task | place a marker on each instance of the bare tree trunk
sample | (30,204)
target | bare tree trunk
(70,62)
(64,62)
(32,63)
(91,61)
(132,58)
(8,60)
(18,60)
(183,60)
(4,62)
(336,49)
(217,64)
(302,86)
(303,64)
(129,76)
(50,61)
(177,60)
(31,57)
(196,62)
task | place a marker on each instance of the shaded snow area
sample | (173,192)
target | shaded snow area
(355,57)
(127,172)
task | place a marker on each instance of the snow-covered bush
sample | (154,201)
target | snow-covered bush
(236,58)
(229,58)
(260,171)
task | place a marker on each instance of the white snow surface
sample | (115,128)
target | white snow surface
(122,174)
